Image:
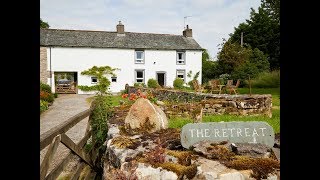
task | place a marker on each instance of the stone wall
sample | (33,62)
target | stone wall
(189,104)
(44,73)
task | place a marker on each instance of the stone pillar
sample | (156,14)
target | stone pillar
(44,73)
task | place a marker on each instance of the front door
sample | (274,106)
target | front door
(161,78)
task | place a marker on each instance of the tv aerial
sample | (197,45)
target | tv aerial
(184,22)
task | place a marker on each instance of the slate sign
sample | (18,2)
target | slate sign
(235,132)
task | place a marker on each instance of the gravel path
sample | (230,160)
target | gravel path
(64,107)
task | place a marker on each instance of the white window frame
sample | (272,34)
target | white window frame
(136,60)
(183,58)
(184,74)
(93,77)
(135,75)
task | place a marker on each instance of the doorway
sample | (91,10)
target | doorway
(66,82)
(161,78)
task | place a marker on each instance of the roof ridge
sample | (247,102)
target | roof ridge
(107,31)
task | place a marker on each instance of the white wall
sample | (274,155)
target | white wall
(65,59)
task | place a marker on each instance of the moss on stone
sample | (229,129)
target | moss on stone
(125,142)
(180,170)
(261,167)
(184,157)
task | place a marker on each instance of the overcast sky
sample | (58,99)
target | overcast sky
(210,21)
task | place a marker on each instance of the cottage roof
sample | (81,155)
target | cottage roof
(110,39)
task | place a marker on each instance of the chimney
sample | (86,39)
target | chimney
(120,28)
(187,32)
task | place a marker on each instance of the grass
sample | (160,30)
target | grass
(274,121)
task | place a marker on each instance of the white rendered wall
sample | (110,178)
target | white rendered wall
(65,59)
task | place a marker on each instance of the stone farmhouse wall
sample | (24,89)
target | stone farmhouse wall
(44,74)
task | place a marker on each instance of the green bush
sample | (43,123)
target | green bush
(55,95)
(267,80)
(152,83)
(99,117)
(43,106)
(139,85)
(45,87)
(178,83)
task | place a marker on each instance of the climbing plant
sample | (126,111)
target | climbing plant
(101,103)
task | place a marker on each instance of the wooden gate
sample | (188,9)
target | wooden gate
(55,136)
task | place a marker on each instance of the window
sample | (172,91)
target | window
(139,57)
(181,57)
(181,73)
(94,80)
(139,76)
(113,79)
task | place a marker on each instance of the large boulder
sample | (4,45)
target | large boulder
(144,116)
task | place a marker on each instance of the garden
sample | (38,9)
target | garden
(46,97)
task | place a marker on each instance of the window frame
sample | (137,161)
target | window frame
(136,59)
(183,58)
(135,75)
(184,74)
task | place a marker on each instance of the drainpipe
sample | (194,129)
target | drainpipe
(50,68)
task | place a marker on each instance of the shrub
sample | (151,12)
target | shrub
(55,95)
(152,83)
(267,80)
(99,116)
(45,87)
(45,96)
(139,85)
(178,83)
(43,106)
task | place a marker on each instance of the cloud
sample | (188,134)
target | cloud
(211,20)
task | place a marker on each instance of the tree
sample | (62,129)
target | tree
(210,69)
(257,63)
(262,31)
(231,56)
(43,24)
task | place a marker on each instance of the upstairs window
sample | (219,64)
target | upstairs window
(139,76)
(181,73)
(139,57)
(181,57)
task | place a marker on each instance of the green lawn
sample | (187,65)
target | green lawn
(274,121)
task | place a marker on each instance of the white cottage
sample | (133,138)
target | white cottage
(139,56)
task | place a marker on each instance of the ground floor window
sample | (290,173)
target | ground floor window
(94,80)
(139,76)
(181,73)
(113,79)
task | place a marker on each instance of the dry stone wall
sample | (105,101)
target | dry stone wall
(188,104)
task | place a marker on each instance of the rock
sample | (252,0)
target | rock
(208,169)
(113,131)
(117,156)
(160,103)
(232,176)
(252,150)
(144,172)
(144,116)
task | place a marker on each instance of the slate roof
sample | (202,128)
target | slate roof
(107,39)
